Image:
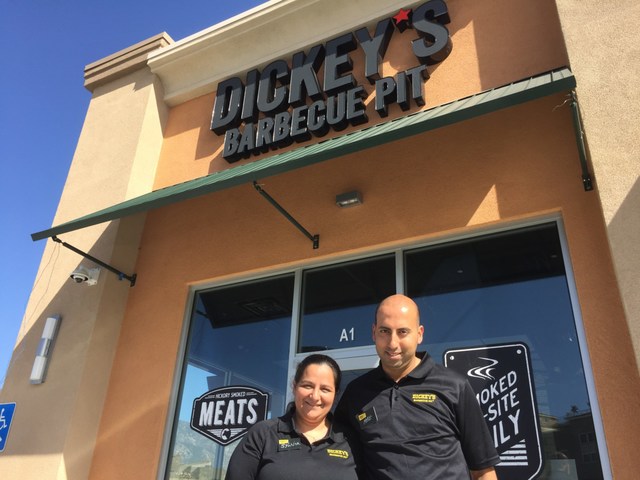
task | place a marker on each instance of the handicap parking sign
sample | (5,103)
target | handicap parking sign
(6,416)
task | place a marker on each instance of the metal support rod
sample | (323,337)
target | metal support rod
(131,278)
(314,238)
(582,151)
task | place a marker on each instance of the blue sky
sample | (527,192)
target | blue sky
(45,47)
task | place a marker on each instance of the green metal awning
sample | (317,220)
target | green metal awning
(419,122)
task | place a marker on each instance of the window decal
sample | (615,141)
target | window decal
(226,414)
(502,378)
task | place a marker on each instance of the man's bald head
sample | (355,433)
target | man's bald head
(400,303)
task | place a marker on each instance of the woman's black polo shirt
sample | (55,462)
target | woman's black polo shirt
(273,450)
(426,426)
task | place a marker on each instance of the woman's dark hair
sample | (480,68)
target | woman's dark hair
(319,359)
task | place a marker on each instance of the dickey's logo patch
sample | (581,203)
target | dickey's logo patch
(338,453)
(424,397)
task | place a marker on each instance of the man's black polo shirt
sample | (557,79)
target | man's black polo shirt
(427,426)
(273,450)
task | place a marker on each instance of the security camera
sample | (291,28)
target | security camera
(84,274)
(80,274)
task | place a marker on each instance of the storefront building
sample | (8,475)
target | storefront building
(488,174)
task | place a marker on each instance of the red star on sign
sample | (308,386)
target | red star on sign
(402,19)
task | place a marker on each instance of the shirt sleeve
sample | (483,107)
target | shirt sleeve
(475,438)
(246,458)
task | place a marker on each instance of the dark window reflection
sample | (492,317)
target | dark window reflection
(239,336)
(339,302)
(512,287)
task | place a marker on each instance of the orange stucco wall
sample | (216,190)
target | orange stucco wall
(507,166)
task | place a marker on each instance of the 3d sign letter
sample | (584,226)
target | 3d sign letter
(435,45)
(375,48)
(227,106)
(304,81)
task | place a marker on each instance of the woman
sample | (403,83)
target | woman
(303,443)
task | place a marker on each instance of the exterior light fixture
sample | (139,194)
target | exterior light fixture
(349,199)
(39,370)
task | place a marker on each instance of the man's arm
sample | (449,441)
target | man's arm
(485,474)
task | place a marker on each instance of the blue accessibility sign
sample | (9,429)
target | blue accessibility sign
(6,416)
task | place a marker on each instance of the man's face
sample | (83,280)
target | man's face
(397,334)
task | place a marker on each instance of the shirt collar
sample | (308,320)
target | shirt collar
(425,366)
(421,371)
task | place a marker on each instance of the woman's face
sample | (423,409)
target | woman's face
(314,393)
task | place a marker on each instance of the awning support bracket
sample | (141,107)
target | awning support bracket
(314,238)
(587,182)
(121,276)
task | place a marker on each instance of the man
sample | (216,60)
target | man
(415,419)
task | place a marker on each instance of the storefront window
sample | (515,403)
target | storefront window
(508,288)
(338,302)
(511,288)
(239,336)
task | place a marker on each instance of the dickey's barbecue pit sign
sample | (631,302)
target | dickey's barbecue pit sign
(286,102)
(227,413)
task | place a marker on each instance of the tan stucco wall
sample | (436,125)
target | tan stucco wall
(602,41)
(55,423)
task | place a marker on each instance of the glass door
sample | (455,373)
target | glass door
(352,368)
(352,362)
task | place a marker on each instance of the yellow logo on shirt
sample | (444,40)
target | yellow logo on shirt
(338,453)
(283,441)
(362,416)
(424,397)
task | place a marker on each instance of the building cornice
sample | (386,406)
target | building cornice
(123,62)
(195,65)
